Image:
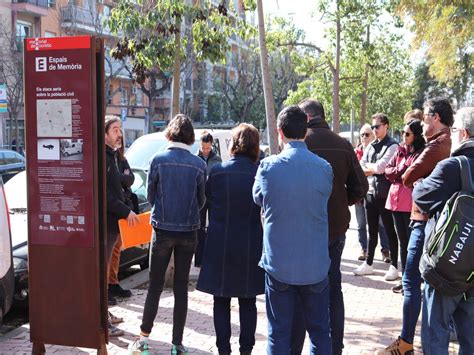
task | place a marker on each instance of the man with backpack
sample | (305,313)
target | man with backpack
(447,264)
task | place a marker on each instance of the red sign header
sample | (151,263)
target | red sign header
(57,43)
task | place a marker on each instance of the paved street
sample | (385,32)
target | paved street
(373,317)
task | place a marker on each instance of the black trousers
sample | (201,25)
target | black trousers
(222,325)
(402,222)
(376,209)
(163,245)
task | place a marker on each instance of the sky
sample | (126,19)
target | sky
(300,11)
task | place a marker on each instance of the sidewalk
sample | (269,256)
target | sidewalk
(373,317)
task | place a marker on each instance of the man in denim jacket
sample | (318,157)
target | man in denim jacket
(176,192)
(293,189)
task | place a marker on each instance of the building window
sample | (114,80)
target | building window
(124,96)
(110,90)
(138,96)
(48,34)
(23,30)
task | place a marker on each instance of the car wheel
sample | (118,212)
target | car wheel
(66,154)
(144,264)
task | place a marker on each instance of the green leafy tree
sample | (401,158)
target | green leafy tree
(446,28)
(153,39)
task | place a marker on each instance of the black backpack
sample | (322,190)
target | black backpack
(447,263)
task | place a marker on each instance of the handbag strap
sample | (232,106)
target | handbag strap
(466,176)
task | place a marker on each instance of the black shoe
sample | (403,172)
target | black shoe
(115,290)
(386,256)
(112,300)
(398,288)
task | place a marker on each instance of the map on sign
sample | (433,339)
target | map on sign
(54,118)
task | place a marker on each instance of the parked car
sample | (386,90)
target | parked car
(11,163)
(15,191)
(6,266)
(73,148)
(145,147)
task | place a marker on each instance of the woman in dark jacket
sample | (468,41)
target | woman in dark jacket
(234,243)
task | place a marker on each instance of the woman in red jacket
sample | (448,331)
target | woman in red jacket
(399,199)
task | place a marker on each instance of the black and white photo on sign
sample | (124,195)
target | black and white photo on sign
(48,149)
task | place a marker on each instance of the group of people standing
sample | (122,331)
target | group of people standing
(278,226)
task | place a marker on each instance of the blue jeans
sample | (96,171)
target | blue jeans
(411,281)
(248,323)
(362,227)
(336,305)
(280,302)
(438,310)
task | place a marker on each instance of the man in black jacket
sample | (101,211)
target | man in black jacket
(116,206)
(430,195)
(349,186)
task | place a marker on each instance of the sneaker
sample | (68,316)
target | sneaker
(391,274)
(114,319)
(386,256)
(398,347)
(363,255)
(398,288)
(179,350)
(115,290)
(138,348)
(363,269)
(115,332)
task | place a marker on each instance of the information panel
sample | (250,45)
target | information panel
(64,111)
(60,163)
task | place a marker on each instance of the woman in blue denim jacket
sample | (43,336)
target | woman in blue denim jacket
(234,243)
(176,192)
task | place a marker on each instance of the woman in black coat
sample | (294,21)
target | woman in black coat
(234,242)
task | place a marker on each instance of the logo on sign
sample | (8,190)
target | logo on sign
(41,63)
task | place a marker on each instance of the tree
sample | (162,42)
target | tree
(11,74)
(152,35)
(447,30)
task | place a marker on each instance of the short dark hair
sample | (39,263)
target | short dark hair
(312,108)
(293,122)
(443,108)
(180,129)
(109,120)
(417,129)
(206,137)
(382,117)
(245,140)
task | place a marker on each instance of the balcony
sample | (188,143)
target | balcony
(32,7)
(79,19)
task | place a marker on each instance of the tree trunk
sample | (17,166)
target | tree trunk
(267,83)
(176,72)
(365,85)
(336,126)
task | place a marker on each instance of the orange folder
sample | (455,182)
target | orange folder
(140,234)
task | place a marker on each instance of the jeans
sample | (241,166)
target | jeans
(376,210)
(336,305)
(401,221)
(164,244)
(438,310)
(362,227)
(411,281)
(248,323)
(280,302)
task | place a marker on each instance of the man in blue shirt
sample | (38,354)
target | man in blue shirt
(293,189)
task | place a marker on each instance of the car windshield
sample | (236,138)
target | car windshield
(141,151)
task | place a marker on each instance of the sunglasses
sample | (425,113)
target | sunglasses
(365,134)
(377,126)
(406,134)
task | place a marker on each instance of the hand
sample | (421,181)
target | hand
(132,219)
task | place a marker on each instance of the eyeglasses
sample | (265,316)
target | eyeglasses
(406,134)
(377,126)
(454,129)
(429,114)
(365,135)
